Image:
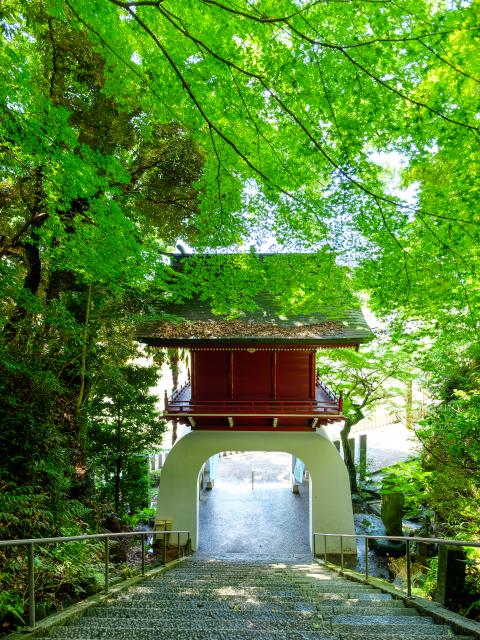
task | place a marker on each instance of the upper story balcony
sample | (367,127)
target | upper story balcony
(258,414)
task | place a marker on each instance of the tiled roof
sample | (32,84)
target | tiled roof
(198,325)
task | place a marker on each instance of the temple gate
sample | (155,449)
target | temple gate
(253,387)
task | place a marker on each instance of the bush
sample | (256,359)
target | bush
(140,517)
(155,478)
(410,479)
(64,573)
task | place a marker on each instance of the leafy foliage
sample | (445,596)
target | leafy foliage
(123,423)
(127,126)
(363,379)
(410,479)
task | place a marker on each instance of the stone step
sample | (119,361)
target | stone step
(394,629)
(207,631)
(211,634)
(369,596)
(212,575)
(310,579)
(325,607)
(155,600)
(423,633)
(359,620)
(374,611)
(256,569)
(233,613)
(298,608)
(201,615)
(247,601)
(172,590)
(231,620)
(246,605)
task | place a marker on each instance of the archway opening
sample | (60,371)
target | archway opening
(247,506)
(330,506)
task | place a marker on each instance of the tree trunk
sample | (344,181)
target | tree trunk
(83,368)
(118,469)
(174,430)
(32,256)
(173,361)
(409,405)
(347,455)
(118,472)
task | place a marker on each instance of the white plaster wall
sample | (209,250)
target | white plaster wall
(330,500)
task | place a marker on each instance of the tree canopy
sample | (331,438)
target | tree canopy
(348,129)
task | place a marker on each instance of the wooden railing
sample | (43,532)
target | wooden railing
(251,407)
(175,407)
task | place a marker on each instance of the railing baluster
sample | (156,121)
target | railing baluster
(409,571)
(366,559)
(325,548)
(143,553)
(31,585)
(164,548)
(178,546)
(107,566)
(341,553)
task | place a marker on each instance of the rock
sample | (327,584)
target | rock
(392,512)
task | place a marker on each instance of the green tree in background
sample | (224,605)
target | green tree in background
(365,379)
(128,125)
(91,192)
(123,424)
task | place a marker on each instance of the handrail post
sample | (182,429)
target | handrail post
(409,571)
(341,553)
(188,544)
(178,546)
(143,553)
(325,548)
(314,545)
(164,548)
(366,559)
(31,585)
(107,567)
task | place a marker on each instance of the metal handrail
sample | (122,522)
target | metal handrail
(405,539)
(31,542)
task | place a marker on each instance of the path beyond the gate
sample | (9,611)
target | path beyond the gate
(268,521)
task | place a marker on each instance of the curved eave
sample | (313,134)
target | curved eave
(217,343)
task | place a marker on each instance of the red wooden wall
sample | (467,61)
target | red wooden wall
(261,375)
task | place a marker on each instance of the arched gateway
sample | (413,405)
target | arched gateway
(330,500)
(253,387)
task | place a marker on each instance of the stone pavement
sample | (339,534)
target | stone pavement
(268,521)
(385,445)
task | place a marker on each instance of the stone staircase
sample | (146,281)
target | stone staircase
(245,600)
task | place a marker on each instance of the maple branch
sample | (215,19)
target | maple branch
(447,62)
(144,82)
(381,82)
